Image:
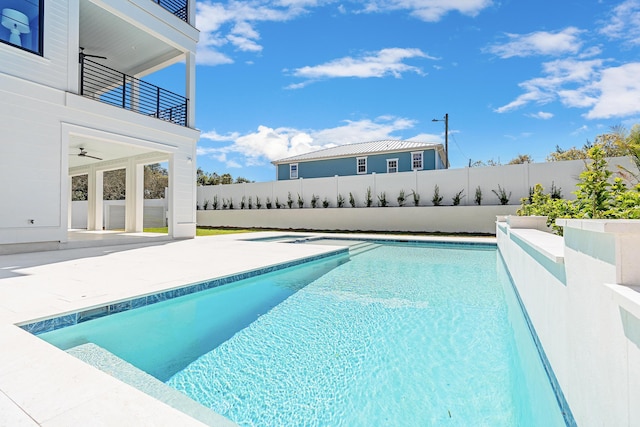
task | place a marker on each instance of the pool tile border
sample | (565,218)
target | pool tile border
(427,243)
(557,390)
(70,319)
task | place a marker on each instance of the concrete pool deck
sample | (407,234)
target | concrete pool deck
(42,385)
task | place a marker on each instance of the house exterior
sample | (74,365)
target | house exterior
(386,156)
(73,101)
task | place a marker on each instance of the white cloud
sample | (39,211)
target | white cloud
(541,115)
(215,136)
(521,135)
(559,75)
(429,10)
(234,23)
(233,164)
(608,92)
(268,144)
(385,62)
(618,92)
(581,129)
(539,43)
(624,23)
(428,137)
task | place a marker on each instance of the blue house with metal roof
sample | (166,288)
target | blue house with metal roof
(387,156)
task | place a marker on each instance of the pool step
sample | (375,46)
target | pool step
(362,248)
(102,359)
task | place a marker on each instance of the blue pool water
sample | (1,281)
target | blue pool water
(398,335)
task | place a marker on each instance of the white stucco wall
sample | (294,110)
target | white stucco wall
(515,179)
(585,307)
(445,219)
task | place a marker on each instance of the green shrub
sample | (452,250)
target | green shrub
(401,198)
(382,199)
(478,198)
(437,198)
(502,195)
(596,196)
(352,200)
(457,198)
(416,198)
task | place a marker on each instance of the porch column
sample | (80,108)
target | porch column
(190,90)
(69,202)
(134,197)
(95,180)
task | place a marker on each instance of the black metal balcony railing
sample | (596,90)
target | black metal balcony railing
(107,85)
(180,8)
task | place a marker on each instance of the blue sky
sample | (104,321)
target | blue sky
(280,78)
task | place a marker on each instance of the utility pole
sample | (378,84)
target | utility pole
(446,139)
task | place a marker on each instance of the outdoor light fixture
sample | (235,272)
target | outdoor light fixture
(446,138)
(17,23)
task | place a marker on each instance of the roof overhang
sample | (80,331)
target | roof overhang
(438,147)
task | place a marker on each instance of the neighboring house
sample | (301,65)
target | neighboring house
(387,156)
(74,102)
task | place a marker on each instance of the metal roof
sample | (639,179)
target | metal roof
(362,148)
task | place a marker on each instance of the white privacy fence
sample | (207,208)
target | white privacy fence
(154,214)
(514,179)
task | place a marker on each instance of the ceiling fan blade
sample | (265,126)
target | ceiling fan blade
(83,153)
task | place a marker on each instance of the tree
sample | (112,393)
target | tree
(629,142)
(572,153)
(611,143)
(156,179)
(201,177)
(480,163)
(226,178)
(521,159)
(114,184)
(79,187)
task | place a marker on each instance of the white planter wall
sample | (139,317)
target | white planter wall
(585,308)
(445,219)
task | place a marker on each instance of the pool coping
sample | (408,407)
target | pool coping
(119,306)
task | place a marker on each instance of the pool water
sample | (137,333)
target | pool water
(398,335)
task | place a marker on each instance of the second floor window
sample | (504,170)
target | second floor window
(22,24)
(293,171)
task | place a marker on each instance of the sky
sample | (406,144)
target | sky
(280,78)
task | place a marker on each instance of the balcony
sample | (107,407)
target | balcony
(112,87)
(179,8)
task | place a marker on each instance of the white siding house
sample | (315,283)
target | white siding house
(73,101)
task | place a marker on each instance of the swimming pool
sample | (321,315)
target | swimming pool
(397,335)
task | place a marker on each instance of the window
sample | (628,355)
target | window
(392,165)
(416,161)
(22,24)
(362,164)
(293,171)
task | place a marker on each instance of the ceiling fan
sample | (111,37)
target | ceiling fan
(83,153)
